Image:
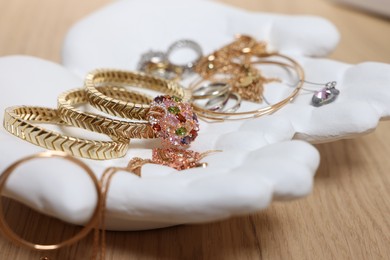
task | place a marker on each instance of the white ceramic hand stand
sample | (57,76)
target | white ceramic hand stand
(116,36)
(244,178)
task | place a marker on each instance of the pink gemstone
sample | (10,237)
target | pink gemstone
(322,94)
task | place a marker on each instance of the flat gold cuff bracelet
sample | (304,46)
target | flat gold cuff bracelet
(117,78)
(17,121)
(101,124)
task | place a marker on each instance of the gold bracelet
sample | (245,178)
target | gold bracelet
(121,108)
(101,124)
(235,63)
(93,223)
(222,116)
(16,121)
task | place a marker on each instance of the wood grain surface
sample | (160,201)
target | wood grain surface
(346,217)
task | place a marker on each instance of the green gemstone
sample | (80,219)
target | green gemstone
(181,131)
(174,110)
(176,99)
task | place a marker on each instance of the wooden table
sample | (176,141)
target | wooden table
(346,217)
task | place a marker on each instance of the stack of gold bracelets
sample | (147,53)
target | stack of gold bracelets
(104,90)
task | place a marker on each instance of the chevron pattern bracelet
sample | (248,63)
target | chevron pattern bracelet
(67,102)
(118,78)
(18,121)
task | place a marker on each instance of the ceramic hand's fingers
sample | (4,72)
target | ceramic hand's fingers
(233,183)
(370,82)
(117,35)
(302,35)
(362,102)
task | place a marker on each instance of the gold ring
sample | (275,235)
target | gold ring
(17,121)
(101,124)
(118,78)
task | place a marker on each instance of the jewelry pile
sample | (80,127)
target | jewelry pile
(229,74)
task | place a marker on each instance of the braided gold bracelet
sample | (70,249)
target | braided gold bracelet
(118,78)
(17,121)
(101,124)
